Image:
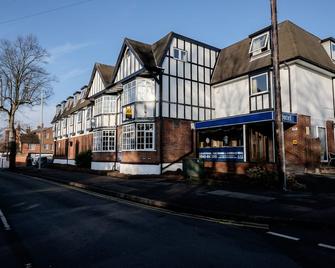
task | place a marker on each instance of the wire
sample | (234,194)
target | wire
(45,12)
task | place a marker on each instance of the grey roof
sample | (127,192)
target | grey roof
(294,43)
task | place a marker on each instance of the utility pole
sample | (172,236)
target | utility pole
(41,132)
(279,130)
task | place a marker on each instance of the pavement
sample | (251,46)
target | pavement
(311,209)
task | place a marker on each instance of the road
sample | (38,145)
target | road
(56,226)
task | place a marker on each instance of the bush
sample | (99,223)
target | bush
(84,159)
(262,177)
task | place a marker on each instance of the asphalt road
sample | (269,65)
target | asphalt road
(54,226)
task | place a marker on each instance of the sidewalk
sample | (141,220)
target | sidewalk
(212,201)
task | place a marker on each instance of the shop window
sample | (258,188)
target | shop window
(225,137)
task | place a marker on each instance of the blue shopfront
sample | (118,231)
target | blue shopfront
(243,138)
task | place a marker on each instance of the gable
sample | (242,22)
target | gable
(128,65)
(97,84)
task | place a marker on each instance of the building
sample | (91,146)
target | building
(179,98)
(30,143)
(242,132)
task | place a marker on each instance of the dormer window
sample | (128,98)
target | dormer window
(332,49)
(259,44)
(180,54)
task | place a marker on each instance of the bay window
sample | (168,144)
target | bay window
(128,137)
(145,136)
(105,104)
(139,136)
(104,140)
(138,99)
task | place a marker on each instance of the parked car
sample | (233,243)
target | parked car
(44,162)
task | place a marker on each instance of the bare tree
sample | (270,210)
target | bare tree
(23,77)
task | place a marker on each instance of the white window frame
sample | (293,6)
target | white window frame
(259,50)
(79,118)
(129,133)
(316,135)
(267,84)
(180,53)
(332,50)
(105,105)
(145,133)
(104,140)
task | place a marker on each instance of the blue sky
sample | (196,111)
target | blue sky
(81,35)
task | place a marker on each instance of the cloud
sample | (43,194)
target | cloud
(73,73)
(60,51)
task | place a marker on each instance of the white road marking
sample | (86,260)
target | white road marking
(284,236)
(4,221)
(162,210)
(326,246)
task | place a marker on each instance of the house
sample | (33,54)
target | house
(180,97)
(242,131)
(30,142)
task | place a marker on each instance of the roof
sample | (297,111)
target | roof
(143,52)
(30,138)
(294,43)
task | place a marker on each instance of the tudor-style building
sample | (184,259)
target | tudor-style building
(242,131)
(156,92)
(139,115)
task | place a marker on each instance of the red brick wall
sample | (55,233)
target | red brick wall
(178,138)
(83,143)
(330,136)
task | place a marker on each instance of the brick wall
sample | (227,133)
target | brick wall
(330,136)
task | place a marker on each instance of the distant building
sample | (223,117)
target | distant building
(29,143)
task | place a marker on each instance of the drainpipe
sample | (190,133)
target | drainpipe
(289,85)
(116,130)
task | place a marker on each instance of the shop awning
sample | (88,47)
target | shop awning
(288,118)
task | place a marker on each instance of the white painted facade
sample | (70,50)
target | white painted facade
(129,65)
(105,166)
(97,84)
(140,169)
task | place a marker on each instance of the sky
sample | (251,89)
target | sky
(78,33)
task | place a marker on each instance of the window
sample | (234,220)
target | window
(180,54)
(333,50)
(129,93)
(145,136)
(259,83)
(142,141)
(79,116)
(128,137)
(104,140)
(31,146)
(105,105)
(259,44)
(46,146)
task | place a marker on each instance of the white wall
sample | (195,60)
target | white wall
(313,94)
(97,84)
(139,169)
(104,166)
(231,98)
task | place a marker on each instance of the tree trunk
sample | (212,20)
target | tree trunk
(12,143)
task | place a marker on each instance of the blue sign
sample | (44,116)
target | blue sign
(290,118)
(225,154)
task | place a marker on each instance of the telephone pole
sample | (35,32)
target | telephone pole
(279,130)
(41,133)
